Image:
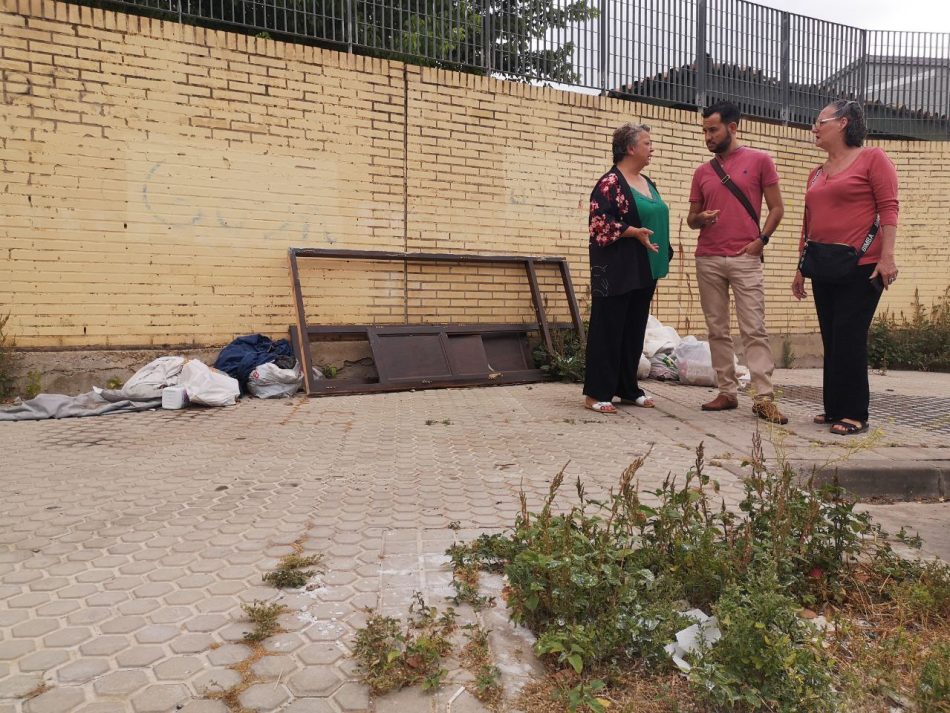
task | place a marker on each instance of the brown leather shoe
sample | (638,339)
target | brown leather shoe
(723,402)
(766,409)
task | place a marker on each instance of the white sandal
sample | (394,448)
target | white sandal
(602,407)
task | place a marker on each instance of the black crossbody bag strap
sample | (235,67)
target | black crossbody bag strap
(735,190)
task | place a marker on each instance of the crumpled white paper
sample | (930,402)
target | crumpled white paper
(704,632)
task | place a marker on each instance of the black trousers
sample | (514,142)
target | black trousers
(615,343)
(845,312)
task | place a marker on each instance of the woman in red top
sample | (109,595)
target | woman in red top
(842,199)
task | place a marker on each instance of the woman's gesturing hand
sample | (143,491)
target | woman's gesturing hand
(798,286)
(643,235)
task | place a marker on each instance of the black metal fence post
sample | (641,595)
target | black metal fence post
(701,53)
(349,24)
(486,37)
(786,66)
(604,45)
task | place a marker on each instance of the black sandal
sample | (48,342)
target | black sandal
(843,428)
(823,419)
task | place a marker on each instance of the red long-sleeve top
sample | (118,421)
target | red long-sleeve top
(841,208)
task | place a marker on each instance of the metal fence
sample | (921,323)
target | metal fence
(776,65)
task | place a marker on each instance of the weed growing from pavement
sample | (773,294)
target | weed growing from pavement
(392,656)
(8,359)
(477,658)
(291,571)
(34,384)
(567,361)
(604,586)
(265,617)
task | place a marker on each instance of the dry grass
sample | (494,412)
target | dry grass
(41,688)
(477,659)
(637,690)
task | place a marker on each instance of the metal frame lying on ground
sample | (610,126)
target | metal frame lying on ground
(420,356)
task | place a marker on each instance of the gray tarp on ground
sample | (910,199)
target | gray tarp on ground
(59,406)
(143,391)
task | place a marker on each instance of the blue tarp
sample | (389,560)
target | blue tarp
(241,356)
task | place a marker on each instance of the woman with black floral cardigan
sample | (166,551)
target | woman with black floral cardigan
(629,250)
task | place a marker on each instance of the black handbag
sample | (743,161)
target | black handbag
(834,262)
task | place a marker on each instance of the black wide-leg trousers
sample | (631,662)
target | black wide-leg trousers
(845,312)
(615,343)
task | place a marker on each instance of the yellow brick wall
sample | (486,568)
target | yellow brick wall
(154,175)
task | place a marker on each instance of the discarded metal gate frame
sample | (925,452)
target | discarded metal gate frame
(457,354)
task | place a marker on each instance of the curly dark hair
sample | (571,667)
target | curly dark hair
(627,137)
(857,128)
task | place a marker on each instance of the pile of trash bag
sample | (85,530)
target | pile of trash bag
(669,357)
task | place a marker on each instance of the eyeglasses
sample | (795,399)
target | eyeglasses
(821,122)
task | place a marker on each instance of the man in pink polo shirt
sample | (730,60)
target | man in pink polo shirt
(729,255)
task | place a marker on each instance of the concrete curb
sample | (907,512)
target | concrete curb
(884,479)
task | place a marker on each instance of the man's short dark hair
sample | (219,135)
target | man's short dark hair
(728,112)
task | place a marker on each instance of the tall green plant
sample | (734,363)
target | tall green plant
(920,342)
(8,359)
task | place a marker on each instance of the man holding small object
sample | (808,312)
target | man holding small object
(725,203)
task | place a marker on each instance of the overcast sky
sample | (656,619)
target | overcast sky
(917,15)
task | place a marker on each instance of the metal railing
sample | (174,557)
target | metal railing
(776,65)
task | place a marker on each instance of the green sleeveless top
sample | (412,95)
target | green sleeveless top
(655,215)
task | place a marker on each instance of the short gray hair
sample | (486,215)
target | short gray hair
(626,137)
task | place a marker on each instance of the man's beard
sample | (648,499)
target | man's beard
(723,145)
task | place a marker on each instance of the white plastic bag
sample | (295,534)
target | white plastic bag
(694,362)
(269,381)
(659,338)
(643,368)
(147,383)
(208,386)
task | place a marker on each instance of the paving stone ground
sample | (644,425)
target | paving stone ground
(128,543)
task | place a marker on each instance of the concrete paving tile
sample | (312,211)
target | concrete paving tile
(123,625)
(205,707)
(311,705)
(160,698)
(18,685)
(191,643)
(139,656)
(228,654)
(82,671)
(215,679)
(42,660)
(103,707)
(55,700)
(179,668)
(264,697)
(121,683)
(156,633)
(315,680)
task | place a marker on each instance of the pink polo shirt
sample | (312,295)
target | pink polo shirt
(752,171)
(841,208)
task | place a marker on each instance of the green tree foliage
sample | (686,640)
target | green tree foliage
(500,37)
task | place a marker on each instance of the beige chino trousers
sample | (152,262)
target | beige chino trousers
(716,275)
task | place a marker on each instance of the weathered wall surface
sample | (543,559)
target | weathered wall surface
(154,175)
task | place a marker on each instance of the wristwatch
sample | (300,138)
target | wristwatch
(765,238)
